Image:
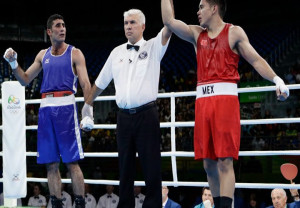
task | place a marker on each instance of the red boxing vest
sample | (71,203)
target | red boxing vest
(216,62)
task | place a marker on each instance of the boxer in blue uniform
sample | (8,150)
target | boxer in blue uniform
(58,128)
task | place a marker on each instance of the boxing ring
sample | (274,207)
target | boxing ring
(173,154)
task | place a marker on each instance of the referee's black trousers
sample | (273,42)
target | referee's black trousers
(139,132)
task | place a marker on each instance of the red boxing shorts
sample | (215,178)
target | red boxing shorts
(217,121)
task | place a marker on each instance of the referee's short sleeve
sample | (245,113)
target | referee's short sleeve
(161,49)
(105,76)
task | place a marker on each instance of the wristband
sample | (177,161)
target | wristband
(87,110)
(14,64)
(277,80)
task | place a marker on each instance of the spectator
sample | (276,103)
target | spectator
(108,200)
(279,199)
(258,143)
(207,199)
(139,197)
(90,201)
(253,202)
(166,201)
(65,197)
(37,200)
(290,76)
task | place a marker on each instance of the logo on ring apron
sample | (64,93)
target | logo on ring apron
(143,55)
(13,104)
(16,177)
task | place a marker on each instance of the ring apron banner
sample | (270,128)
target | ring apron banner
(14,140)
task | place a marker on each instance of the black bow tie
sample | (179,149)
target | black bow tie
(36,197)
(136,47)
(108,196)
(136,196)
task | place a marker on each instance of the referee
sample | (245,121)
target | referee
(135,68)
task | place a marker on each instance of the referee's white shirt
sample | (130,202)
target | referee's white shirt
(66,199)
(90,201)
(108,201)
(135,73)
(139,200)
(39,201)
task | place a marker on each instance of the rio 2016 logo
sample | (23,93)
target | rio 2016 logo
(13,104)
(13,100)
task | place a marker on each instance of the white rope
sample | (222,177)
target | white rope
(173,141)
(178,94)
(186,154)
(192,123)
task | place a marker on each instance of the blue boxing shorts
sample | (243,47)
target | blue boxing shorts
(58,131)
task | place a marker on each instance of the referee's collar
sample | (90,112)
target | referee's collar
(139,43)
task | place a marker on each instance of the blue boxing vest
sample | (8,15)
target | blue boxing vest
(58,74)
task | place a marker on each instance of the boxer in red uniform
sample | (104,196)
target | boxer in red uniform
(217,118)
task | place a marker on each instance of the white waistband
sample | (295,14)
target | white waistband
(213,89)
(58,101)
